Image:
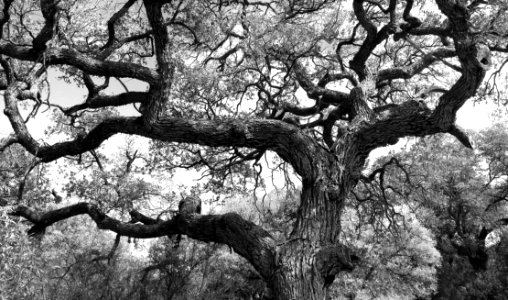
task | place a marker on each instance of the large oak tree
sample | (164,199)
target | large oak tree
(230,75)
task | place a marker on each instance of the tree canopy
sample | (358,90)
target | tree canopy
(315,85)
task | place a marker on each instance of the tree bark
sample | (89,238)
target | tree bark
(304,266)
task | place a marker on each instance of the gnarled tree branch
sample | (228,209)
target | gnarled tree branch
(89,64)
(49,10)
(100,101)
(245,237)
(417,67)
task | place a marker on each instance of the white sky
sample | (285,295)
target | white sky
(472,116)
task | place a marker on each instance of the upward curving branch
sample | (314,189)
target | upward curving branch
(474,58)
(160,90)
(287,140)
(111,27)
(49,10)
(328,152)
(415,119)
(5,15)
(374,37)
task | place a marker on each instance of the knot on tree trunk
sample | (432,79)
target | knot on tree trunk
(189,205)
(483,56)
(332,259)
(334,193)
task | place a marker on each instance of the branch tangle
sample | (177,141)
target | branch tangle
(412,120)
(246,238)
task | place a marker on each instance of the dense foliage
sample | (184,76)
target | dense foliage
(237,134)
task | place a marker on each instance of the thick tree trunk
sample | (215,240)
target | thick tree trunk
(305,265)
(310,260)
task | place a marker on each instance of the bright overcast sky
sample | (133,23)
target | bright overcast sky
(471,116)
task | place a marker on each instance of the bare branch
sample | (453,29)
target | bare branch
(460,135)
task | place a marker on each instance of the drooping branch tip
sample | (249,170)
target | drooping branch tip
(461,136)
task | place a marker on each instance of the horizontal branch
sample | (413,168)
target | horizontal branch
(498,48)
(316,92)
(89,64)
(416,67)
(286,140)
(302,111)
(336,77)
(411,118)
(245,237)
(424,30)
(44,220)
(101,101)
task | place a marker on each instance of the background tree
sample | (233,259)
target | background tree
(224,81)
(456,193)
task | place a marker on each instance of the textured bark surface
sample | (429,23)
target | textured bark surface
(305,265)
